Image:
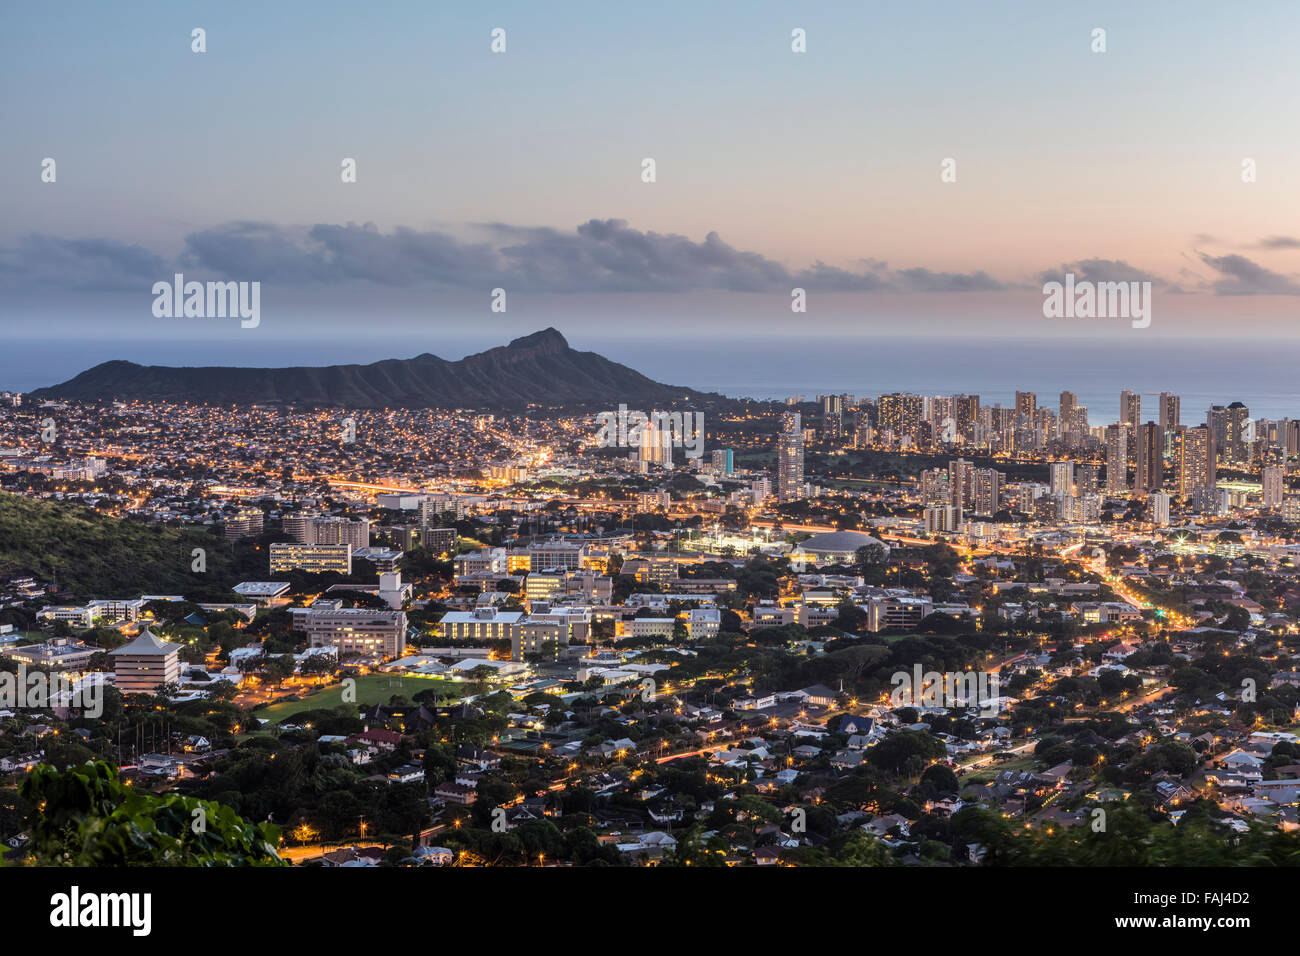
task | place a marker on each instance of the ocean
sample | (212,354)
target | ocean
(1260,373)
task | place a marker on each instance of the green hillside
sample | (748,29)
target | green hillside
(96,556)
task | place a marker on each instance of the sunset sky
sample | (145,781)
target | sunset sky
(775,169)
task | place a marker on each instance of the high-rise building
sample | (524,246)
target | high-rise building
(832,416)
(941,518)
(966,412)
(1273,487)
(960,488)
(789,474)
(1026,405)
(1170,408)
(1150,457)
(657,443)
(1087,480)
(1060,476)
(943,418)
(1216,420)
(935,487)
(1027,494)
(1159,504)
(1117,459)
(864,433)
(1068,421)
(1194,456)
(1130,408)
(1238,420)
(901,413)
(1069,402)
(1292,432)
(723,461)
(1081,419)
(986,491)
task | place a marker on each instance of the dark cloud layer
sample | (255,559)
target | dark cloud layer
(599,256)
(77,265)
(602,255)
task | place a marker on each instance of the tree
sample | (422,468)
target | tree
(859,849)
(85,816)
(941,778)
(870,554)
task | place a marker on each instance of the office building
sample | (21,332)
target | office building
(145,664)
(314,558)
(549,555)
(352,630)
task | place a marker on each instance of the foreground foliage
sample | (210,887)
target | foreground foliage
(85,816)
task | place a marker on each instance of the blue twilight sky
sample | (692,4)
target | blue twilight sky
(522,170)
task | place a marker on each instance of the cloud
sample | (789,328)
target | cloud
(1278,242)
(923,280)
(80,264)
(1241,276)
(601,255)
(1103,270)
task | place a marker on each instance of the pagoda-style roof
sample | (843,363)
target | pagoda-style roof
(147,645)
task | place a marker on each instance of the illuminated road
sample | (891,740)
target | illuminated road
(988,758)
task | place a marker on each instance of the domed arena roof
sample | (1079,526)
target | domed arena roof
(839,543)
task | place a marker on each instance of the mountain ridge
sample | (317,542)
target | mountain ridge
(540,368)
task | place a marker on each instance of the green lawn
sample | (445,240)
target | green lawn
(986,774)
(371,689)
(29,637)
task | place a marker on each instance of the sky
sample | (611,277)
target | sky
(523,170)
